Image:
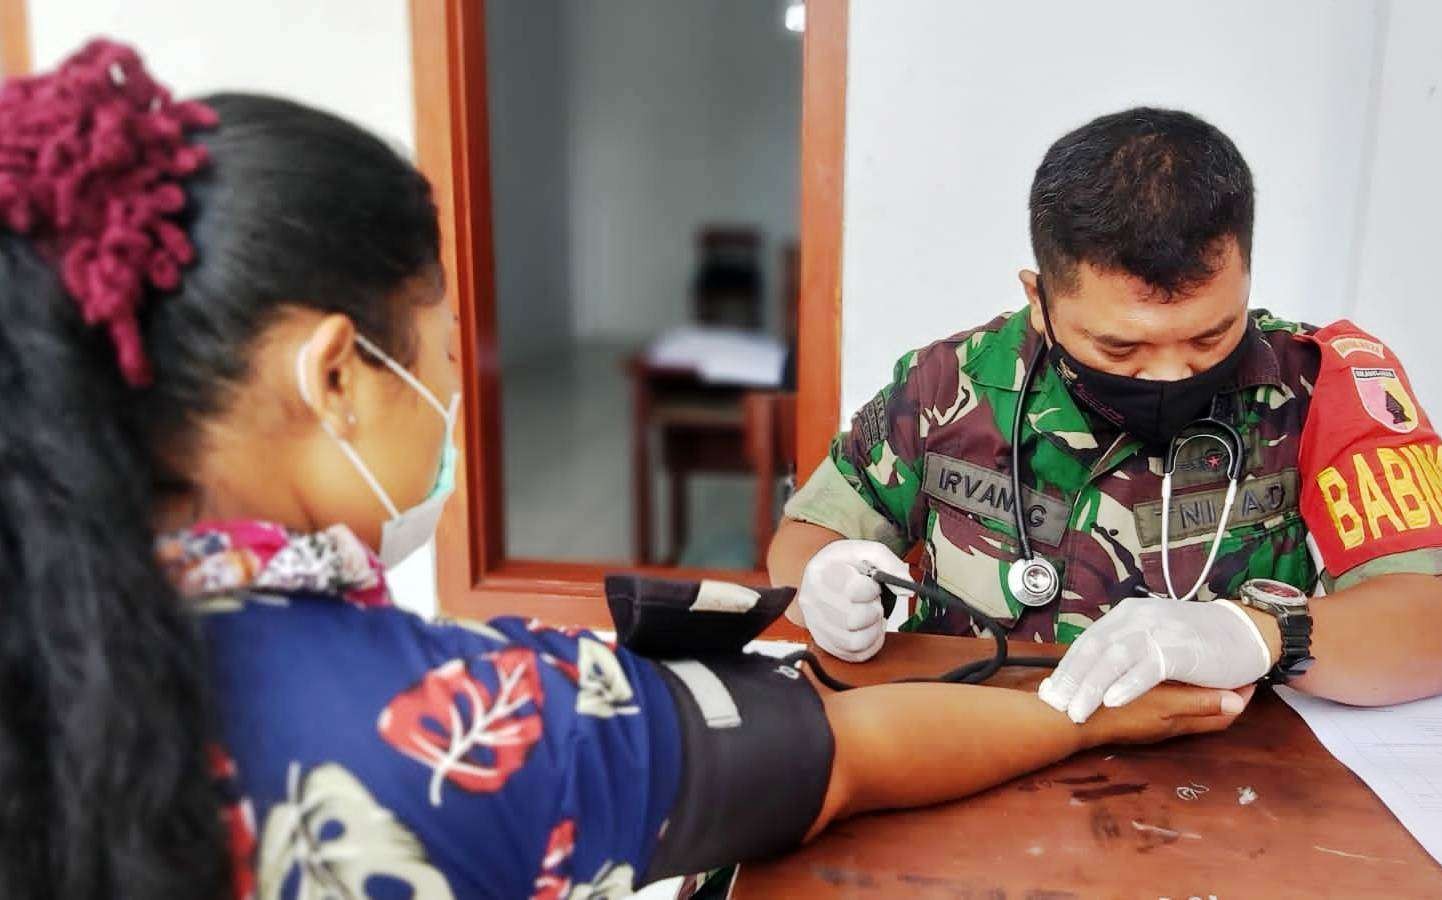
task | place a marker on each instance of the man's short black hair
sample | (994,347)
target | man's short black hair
(1150,192)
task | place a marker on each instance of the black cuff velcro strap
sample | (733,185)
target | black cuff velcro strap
(680,619)
(756,761)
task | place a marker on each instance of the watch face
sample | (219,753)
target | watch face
(1266,590)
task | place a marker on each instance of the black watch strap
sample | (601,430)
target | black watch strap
(1296,655)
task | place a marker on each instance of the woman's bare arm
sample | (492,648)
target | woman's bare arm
(902,745)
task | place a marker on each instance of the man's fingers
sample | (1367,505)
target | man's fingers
(857,588)
(874,647)
(855,646)
(855,605)
(883,559)
(858,641)
(1140,678)
(860,616)
(1058,690)
(1111,664)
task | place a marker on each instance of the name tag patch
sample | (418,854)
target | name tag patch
(1258,499)
(985,492)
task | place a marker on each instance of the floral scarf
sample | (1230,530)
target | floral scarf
(215,558)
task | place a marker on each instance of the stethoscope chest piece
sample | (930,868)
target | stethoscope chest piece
(1033,582)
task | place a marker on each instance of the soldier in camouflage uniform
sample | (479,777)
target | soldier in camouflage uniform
(926,463)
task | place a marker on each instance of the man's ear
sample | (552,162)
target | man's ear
(327,372)
(1028,280)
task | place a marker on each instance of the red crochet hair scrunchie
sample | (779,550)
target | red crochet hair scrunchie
(91,160)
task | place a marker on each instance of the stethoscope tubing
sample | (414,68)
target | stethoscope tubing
(1225,434)
(974,672)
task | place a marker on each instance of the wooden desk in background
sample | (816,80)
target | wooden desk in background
(1110,822)
(702,427)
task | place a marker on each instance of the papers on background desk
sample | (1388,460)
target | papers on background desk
(721,355)
(1397,750)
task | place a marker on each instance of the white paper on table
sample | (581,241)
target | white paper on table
(721,355)
(1397,750)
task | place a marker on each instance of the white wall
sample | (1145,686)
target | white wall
(681,111)
(352,57)
(950,107)
(1398,285)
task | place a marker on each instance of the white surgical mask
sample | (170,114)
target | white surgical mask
(406,531)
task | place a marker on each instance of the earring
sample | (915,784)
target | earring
(350,419)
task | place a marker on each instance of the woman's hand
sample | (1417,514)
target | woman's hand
(1167,711)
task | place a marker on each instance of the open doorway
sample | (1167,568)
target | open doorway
(644,166)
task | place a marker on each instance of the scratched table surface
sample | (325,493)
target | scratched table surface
(1112,822)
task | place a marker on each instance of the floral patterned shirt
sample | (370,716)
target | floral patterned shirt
(371,754)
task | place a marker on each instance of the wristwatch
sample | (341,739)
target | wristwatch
(1289,606)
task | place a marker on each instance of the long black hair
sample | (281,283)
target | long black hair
(106,721)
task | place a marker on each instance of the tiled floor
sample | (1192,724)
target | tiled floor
(567,424)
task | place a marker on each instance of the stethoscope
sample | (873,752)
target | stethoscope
(1034,581)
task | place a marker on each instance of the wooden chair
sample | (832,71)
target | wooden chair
(699,428)
(727,288)
(703,427)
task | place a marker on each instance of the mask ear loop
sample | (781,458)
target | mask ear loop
(345,445)
(1233,471)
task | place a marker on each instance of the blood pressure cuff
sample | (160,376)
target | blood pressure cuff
(756,760)
(682,619)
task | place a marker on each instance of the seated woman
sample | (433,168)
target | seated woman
(223,323)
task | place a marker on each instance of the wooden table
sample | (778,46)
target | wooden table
(701,429)
(704,427)
(1110,822)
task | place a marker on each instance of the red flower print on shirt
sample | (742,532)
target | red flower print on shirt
(450,723)
(238,817)
(554,880)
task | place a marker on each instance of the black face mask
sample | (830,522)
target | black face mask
(1154,411)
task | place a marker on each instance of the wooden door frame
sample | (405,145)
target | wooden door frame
(14,38)
(474,576)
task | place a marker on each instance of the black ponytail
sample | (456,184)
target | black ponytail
(105,718)
(104,785)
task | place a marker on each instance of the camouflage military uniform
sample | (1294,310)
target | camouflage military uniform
(927,461)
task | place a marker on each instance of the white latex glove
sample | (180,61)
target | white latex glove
(1144,641)
(842,606)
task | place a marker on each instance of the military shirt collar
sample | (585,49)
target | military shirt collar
(1259,367)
